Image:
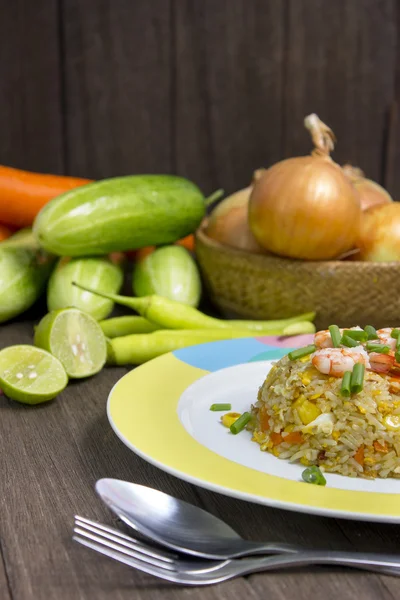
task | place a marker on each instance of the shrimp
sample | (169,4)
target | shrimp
(381,363)
(385,337)
(322,339)
(336,361)
(384,363)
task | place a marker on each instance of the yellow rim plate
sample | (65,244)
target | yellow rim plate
(142,410)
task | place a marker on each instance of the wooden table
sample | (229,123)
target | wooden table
(50,459)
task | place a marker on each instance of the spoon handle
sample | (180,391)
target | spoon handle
(269,548)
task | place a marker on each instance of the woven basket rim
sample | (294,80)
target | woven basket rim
(201,235)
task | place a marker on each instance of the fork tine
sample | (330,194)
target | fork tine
(105,528)
(130,542)
(124,549)
(140,565)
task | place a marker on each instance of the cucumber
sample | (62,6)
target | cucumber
(122,213)
(24,272)
(24,237)
(101,272)
(171,272)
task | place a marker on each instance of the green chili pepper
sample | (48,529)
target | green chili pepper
(120,326)
(138,348)
(175,315)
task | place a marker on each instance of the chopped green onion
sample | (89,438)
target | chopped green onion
(381,348)
(220,406)
(345,389)
(240,423)
(371,332)
(395,334)
(356,334)
(335,335)
(357,378)
(349,342)
(300,352)
(397,353)
(313,475)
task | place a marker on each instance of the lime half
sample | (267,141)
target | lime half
(30,375)
(75,338)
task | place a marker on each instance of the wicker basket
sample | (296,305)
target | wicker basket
(259,286)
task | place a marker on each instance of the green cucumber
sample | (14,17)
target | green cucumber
(170,272)
(122,213)
(24,272)
(23,237)
(100,272)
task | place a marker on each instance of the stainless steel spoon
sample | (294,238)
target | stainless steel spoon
(178,524)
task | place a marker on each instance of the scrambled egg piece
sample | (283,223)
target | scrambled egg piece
(322,424)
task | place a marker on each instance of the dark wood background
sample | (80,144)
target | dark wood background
(209,89)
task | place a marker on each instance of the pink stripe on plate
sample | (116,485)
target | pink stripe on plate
(295,341)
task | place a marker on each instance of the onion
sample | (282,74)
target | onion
(379,239)
(228,223)
(369,192)
(306,207)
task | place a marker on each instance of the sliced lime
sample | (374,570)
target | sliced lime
(30,375)
(75,338)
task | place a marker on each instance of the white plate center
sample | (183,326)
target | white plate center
(239,386)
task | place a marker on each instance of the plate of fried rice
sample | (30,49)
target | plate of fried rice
(310,424)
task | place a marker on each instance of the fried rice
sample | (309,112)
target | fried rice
(301,416)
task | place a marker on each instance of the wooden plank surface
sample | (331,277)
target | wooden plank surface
(228,65)
(117,86)
(30,89)
(4,587)
(50,459)
(341,65)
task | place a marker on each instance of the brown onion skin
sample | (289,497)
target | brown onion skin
(371,193)
(318,215)
(228,223)
(379,239)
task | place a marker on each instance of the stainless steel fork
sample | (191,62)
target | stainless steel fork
(187,571)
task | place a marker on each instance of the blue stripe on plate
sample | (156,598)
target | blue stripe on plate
(226,353)
(274,354)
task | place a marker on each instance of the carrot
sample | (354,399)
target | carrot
(264,419)
(138,255)
(23,194)
(5,232)
(143,252)
(381,447)
(294,437)
(118,258)
(276,438)
(187,242)
(359,455)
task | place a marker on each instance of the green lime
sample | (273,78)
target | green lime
(75,338)
(30,375)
